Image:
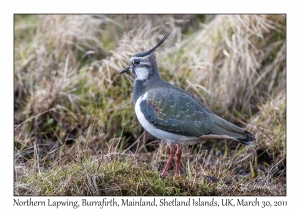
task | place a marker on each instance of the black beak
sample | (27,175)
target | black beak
(125,70)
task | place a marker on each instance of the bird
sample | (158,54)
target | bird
(172,114)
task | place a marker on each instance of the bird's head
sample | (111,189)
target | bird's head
(143,65)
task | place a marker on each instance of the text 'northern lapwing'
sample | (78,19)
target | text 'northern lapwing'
(171,114)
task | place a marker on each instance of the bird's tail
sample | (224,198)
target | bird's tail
(223,127)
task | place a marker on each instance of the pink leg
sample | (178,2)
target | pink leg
(172,153)
(178,155)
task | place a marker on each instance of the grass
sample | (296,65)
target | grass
(76,132)
(118,174)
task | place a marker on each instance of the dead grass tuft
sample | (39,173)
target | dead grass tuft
(238,60)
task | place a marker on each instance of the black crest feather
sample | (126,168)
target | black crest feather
(143,54)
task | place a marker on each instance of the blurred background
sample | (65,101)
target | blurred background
(71,105)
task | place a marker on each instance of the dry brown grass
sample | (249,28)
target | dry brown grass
(75,128)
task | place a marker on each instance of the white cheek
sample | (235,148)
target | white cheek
(141,73)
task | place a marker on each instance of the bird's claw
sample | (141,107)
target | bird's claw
(164,174)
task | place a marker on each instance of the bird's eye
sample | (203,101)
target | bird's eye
(136,62)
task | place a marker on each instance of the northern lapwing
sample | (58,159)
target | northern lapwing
(172,114)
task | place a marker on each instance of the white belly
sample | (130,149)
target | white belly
(160,134)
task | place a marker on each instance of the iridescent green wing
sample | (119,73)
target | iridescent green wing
(175,111)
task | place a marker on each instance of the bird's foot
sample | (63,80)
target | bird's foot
(164,174)
(177,173)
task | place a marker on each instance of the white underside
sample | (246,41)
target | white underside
(160,134)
